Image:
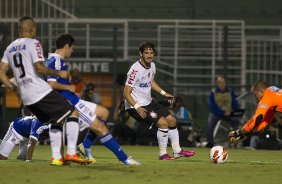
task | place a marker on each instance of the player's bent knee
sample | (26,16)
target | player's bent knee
(99,128)
(102,112)
(171,121)
(162,123)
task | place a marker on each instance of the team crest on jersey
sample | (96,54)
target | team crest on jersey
(86,110)
(91,114)
(149,75)
(153,114)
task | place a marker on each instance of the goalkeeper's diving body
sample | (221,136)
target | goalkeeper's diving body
(269,102)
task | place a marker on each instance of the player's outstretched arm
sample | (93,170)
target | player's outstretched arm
(235,136)
(42,69)
(158,89)
(30,148)
(58,86)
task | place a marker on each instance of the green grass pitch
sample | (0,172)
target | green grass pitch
(243,166)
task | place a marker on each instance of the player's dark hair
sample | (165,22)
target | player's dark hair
(64,39)
(179,102)
(146,45)
(259,85)
(26,18)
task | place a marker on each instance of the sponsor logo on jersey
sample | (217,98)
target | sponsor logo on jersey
(17,48)
(25,81)
(14,140)
(38,50)
(132,76)
(86,110)
(145,85)
(274,88)
(263,106)
(91,114)
(80,106)
(42,128)
(153,114)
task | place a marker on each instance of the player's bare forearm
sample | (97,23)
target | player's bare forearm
(57,86)
(127,95)
(156,87)
(30,148)
(42,69)
(4,78)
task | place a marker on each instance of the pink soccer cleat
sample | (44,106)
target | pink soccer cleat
(184,153)
(166,157)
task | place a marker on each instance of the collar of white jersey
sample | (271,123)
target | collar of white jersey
(144,66)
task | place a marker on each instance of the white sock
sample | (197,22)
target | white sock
(174,139)
(162,136)
(56,142)
(72,134)
(23,149)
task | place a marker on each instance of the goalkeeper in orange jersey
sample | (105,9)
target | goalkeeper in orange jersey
(269,102)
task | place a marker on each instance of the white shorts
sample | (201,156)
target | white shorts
(11,139)
(86,113)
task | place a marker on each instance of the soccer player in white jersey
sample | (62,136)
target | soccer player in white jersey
(21,131)
(91,113)
(137,92)
(25,57)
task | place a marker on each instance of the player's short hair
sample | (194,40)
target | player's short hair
(26,18)
(259,85)
(64,39)
(146,45)
(179,102)
(21,25)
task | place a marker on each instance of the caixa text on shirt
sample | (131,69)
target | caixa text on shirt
(24,82)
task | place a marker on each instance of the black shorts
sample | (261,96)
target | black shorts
(53,108)
(154,112)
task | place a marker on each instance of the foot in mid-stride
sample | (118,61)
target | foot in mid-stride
(55,162)
(166,157)
(85,152)
(131,161)
(184,153)
(76,158)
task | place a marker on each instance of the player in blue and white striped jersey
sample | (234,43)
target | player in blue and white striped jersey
(89,112)
(24,131)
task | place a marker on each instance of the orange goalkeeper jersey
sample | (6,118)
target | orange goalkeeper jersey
(270,103)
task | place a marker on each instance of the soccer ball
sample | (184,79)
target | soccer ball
(218,154)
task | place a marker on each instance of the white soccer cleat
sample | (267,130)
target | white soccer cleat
(131,161)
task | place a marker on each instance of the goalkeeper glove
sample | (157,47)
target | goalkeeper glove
(234,136)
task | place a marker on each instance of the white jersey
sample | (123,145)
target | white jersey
(21,56)
(140,79)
